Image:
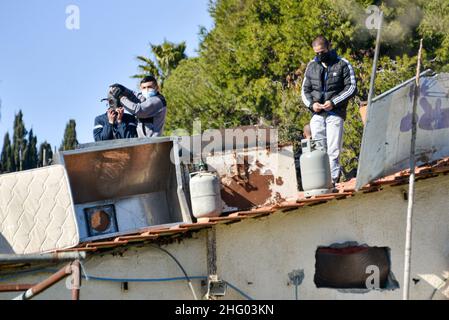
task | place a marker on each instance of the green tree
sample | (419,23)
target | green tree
(251,63)
(45,146)
(19,142)
(6,158)
(69,142)
(167,57)
(30,154)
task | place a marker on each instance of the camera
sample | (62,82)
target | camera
(113,103)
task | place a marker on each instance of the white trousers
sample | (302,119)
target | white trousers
(329,127)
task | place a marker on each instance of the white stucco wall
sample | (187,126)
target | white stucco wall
(256,255)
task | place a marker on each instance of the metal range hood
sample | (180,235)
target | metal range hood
(121,186)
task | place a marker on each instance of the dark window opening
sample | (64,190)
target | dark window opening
(354,267)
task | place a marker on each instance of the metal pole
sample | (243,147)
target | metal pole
(15,287)
(376,58)
(47,283)
(20,158)
(44,157)
(411,188)
(44,257)
(76,280)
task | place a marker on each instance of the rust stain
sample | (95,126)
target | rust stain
(100,220)
(246,190)
(258,164)
(279,181)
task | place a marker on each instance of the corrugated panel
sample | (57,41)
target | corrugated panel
(386,138)
(36,211)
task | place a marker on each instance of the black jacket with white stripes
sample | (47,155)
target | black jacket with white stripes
(336,83)
(103,130)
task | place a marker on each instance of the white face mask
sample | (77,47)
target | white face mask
(149,93)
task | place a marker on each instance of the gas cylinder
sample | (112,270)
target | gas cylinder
(315,168)
(205,194)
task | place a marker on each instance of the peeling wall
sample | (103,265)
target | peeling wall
(255,176)
(257,255)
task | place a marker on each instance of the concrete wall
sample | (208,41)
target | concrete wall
(257,255)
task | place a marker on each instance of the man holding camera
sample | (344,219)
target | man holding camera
(149,106)
(115,124)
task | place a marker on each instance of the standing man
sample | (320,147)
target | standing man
(329,83)
(149,106)
(114,124)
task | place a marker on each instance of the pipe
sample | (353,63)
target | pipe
(47,283)
(76,280)
(411,188)
(376,58)
(41,257)
(15,287)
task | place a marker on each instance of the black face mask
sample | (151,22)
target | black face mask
(324,57)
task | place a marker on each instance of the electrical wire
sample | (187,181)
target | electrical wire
(107,279)
(439,288)
(239,291)
(95,278)
(189,282)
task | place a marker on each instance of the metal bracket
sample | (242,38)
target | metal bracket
(215,287)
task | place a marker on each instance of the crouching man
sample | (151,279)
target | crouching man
(115,124)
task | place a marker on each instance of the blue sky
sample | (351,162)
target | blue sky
(55,74)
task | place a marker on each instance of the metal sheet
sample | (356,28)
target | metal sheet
(255,177)
(387,134)
(132,213)
(141,178)
(114,173)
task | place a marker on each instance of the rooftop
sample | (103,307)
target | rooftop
(345,190)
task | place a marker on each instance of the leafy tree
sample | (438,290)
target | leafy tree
(167,57)
(251,63)
(6,158)
(69,142)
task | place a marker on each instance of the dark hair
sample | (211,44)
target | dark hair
(148,79)
(320,40)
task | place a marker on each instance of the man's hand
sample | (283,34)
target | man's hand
(328,105)
(111,115)
(120,112)
(117,90)
(317,107)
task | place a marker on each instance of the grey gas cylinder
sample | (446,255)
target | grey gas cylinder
(315,168)
(205,194)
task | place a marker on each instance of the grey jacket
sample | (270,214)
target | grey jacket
(150,113)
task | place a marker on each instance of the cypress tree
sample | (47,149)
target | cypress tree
(48,154)
(19,143)
(6,158)
(69,142)
(30,154)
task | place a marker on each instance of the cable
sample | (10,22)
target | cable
(143,279)
(239,291)
(182,269)
(95,278)
(438,288)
